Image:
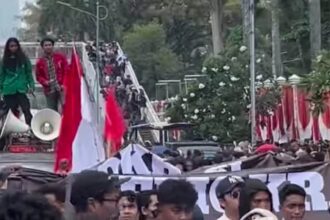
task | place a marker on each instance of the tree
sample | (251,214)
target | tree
(315,27)
(152,58)
(217,25)
(218,106)
(277,66)
(31,18)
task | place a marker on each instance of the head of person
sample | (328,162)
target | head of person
(128,206)
(47,45)
(294,146)
(14,206)
(93,192)
(13,50)
(228,193)
(254,194)
(189,165)
(292,201)
(55,194)
(148,205)
(177,199)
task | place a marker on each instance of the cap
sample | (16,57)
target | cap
(93,184)
(228,184)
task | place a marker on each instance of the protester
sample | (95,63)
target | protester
(94,195)
(50,72)
(22,206)
(177,199)
(128,206)
(148,203)
(16,79)
(228,193)
(292,202)
(254,194)
(55,194)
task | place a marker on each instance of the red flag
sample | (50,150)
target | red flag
(114,128)
(71,116)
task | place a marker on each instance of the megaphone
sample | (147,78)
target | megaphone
(13,125)
(46,124)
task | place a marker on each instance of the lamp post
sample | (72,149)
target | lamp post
(97,21)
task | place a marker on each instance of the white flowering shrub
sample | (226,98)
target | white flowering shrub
(218,106)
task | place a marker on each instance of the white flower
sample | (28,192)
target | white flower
(192,95)
(185,99)
(223,111)
(186,116)
(204,69)
(233,58)
(233,118)
(168,119)
(213,116)
(201,86)
(196,111)
(263,55)
(204,110)
(215,69)
(259,77)
(242,49)
(183,106)
(319,58)
(247,66)
(234,79)
(194,117)
(258,60)
(222,84)
(214,138)
(226,67)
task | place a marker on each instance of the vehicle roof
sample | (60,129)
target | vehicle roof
(193,143)
(39,161)
(163,126)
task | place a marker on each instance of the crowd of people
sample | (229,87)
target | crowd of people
(290,153)
(95,196)
(112,65)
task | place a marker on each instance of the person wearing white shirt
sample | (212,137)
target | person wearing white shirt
(228,192)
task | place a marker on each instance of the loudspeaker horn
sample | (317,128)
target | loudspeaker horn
(46,124)
(13,125)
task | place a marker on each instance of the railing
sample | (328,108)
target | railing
(152,116)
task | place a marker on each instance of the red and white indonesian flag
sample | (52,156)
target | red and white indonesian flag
(79,145)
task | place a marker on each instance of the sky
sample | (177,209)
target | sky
(10,10)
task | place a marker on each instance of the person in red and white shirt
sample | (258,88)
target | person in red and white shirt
(50,72)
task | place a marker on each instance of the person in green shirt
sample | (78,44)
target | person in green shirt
(16,78)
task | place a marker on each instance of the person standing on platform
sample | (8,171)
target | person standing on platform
(50,73)
(16,79)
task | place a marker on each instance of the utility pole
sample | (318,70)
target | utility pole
(252,72)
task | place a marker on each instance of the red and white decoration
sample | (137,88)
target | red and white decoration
(293,118)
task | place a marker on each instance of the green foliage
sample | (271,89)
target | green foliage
(219,106)
(317,83)
(151,57)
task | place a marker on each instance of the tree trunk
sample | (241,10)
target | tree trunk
(277,66)
(245,4)
(217,25)
(315,27)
